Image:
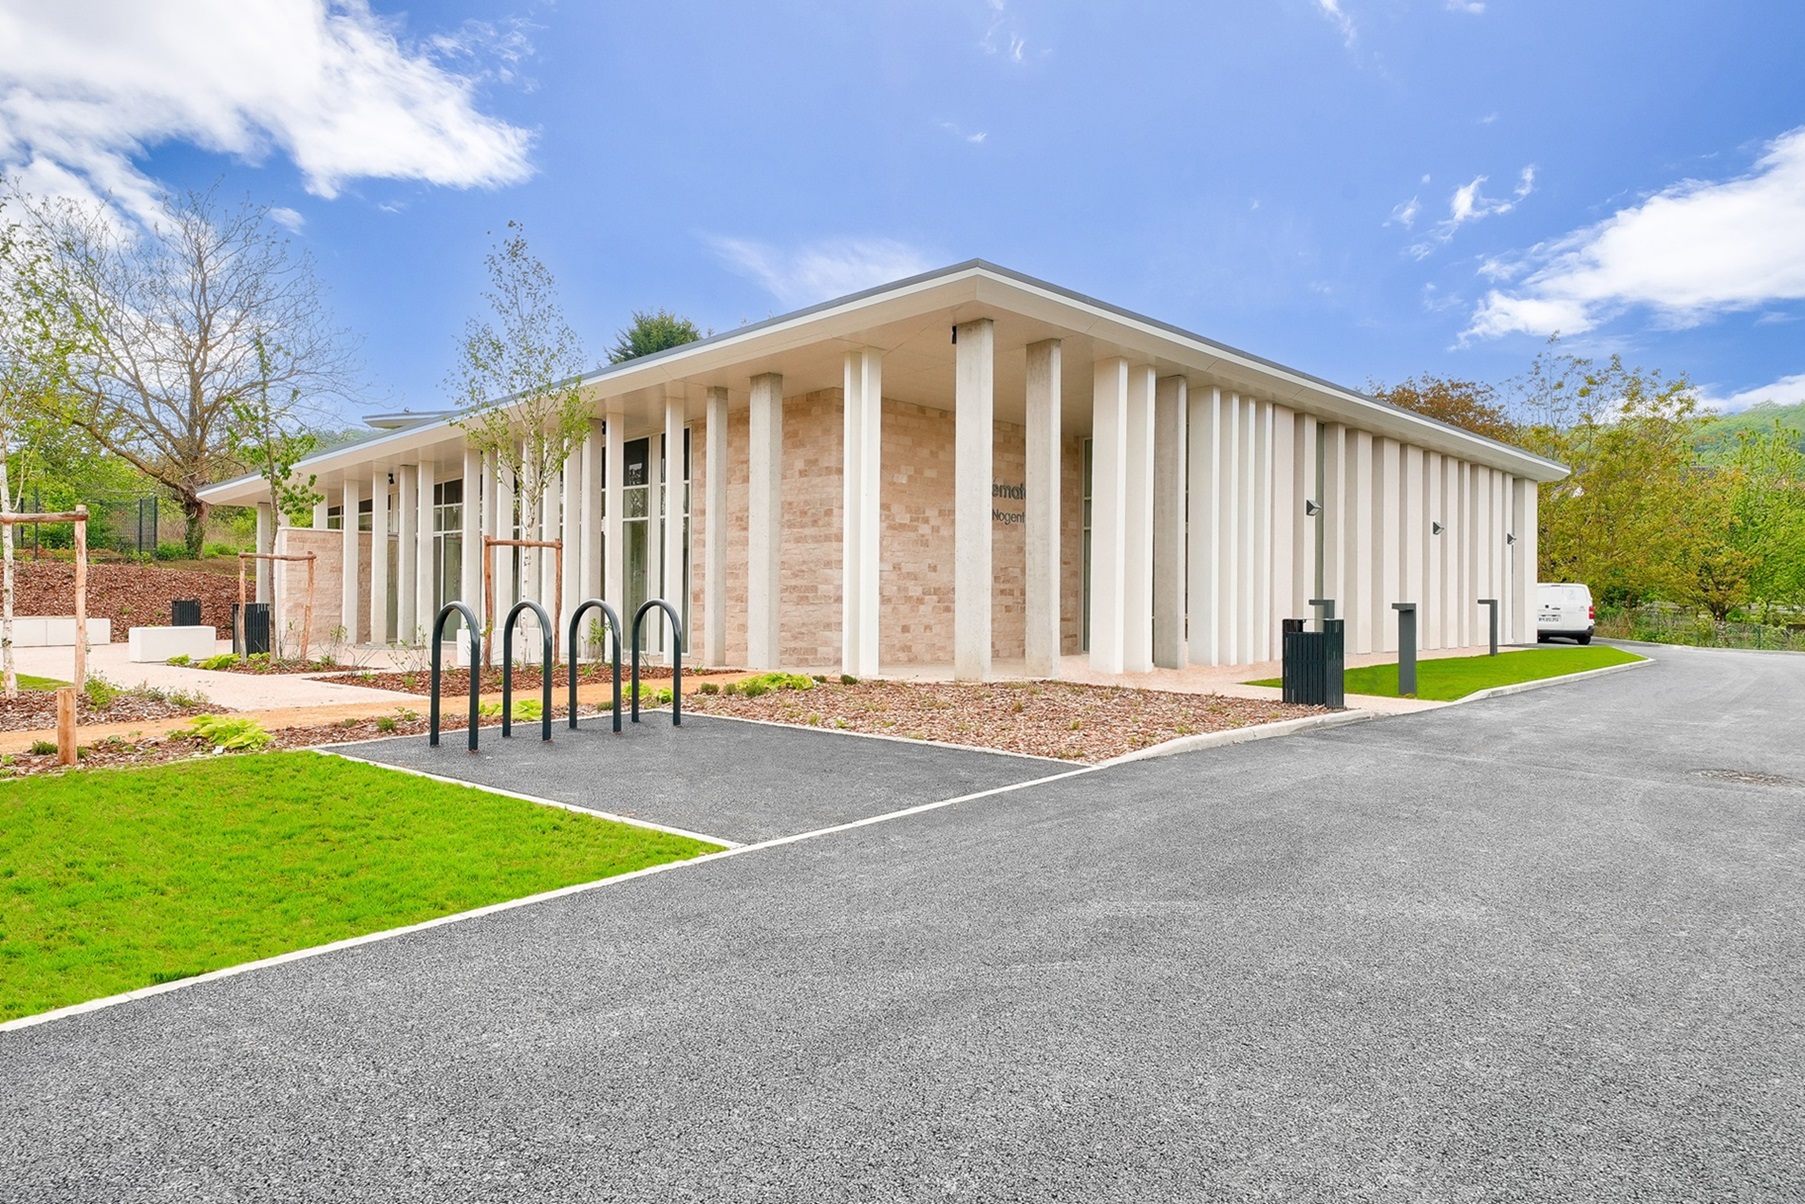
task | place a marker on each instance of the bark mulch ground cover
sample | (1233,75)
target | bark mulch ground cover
(454,682)
(1046,719)
(34,710)
(131,595)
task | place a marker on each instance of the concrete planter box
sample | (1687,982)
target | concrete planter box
(57,631)
(161,643)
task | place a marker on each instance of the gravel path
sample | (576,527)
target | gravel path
(1535,948)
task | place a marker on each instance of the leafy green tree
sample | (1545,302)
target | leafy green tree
(263,436)
(652,330)
(1467,404)
(1765,500)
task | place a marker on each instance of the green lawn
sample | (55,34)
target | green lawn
(112,880)
(1455,677)
(28,682)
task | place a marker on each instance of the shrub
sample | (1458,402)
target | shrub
(658,697)
(764,683)
(172,551)
(187,698)
(225,733)
(847,679)
(224,660)
(386,723)
(43,748)
(180,658)
(100,692)
(708,687)
(216,549)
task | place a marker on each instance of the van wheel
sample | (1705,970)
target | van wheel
(1541,639)
(1583,639)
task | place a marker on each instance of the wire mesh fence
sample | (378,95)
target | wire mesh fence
(1659,625)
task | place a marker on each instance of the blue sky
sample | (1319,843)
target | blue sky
(1364,189)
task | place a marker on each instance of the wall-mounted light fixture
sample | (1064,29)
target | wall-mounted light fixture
(1435,528)
(391,478)
(1311,509)
(1510,537)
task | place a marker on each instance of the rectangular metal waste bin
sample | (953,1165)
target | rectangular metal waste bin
(1313,663)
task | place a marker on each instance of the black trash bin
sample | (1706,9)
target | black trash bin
(1313,664)
(185,612)
(255,625)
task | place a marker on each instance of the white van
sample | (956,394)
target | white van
(1564,610)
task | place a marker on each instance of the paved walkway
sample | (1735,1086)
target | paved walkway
(1546,947)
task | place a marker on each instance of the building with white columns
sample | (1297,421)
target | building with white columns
(969,469)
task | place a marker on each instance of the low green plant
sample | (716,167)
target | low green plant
(225,732)
(187,698)
(180,658)
(224,660)
(42,748)
(847,679)
(100,692)
(708,687)
(526,710)
(765,683)
(656,696)
(386,723)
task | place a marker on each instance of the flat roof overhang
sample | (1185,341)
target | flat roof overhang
(911,322)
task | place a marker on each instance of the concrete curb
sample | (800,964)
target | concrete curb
(1241,735)
(1525,686)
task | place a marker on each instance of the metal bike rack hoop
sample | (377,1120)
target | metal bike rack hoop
(613,621)
(545,669)
(676,658)
(476,662)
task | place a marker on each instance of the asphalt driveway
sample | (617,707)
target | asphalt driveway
(1547,947)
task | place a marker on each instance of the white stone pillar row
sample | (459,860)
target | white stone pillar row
(265,543)
(1231,516)
(764,525)
(588,535)
(861,523)
(1470,590)
(714,531)
(1412,523)
(1287,500)
(418,617)
(1253,556)
(1109,467)
(470,578)
(1387,541)
(504,559)
(1259,605)
(1450,552)
(1528,567)
(1304,529)
(1337,504)
(407,565)
(676,589)
(1171,414)
(1203,526)
(319,515)
(614,475)
(1434,629)
(570,530)
(1041,477)
(1357,603)
(1501,552)
(350,593)
(974,438)
(379,556)
(1137,524)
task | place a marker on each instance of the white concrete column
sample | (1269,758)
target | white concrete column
(1412,524)
(614,502)
(570,530)
(417,619)
(470,582)
(764,525)
(1501,551)
(507,526)
(1041,477)
(1231,517)
(589,534)
(1305,530)
(1483,586)
(1171,413)
(1109,468)
(1137,525)
(407,561)
(862,415)
(266,528)
(1528,567)
(319,514)
(350,593)
(1359,570)
(1435,588)
(974,437)
(714,532)
(1450,552)
(379,556)
(551,520)
(1259,597)
(676,588)
(1253,555)
(1287,501)
(1470,587)
(1388,559)
(1203,535)
(1338,503)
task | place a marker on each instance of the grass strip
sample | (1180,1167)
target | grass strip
(1448,678)
(111,880)
(28,682)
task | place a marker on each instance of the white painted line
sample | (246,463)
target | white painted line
(94,1005)
(1524,686)
(824,730)
(333,751)
(1241,735)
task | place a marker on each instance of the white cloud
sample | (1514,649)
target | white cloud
(973,138)
(1469,204)
(1693,251)
(1332,10)
(1001,37)
(87,89)
(1465,6)
(822,270)
(1788,390)
(289,218)
(1405,214)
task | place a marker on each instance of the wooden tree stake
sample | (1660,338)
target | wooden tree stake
(65,726)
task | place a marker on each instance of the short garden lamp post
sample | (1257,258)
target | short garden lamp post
(1492,605)
(1406,648)
(1326,610)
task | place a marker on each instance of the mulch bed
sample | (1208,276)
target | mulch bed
(131,595)
(34,710)
(526,678)
(1046,719)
